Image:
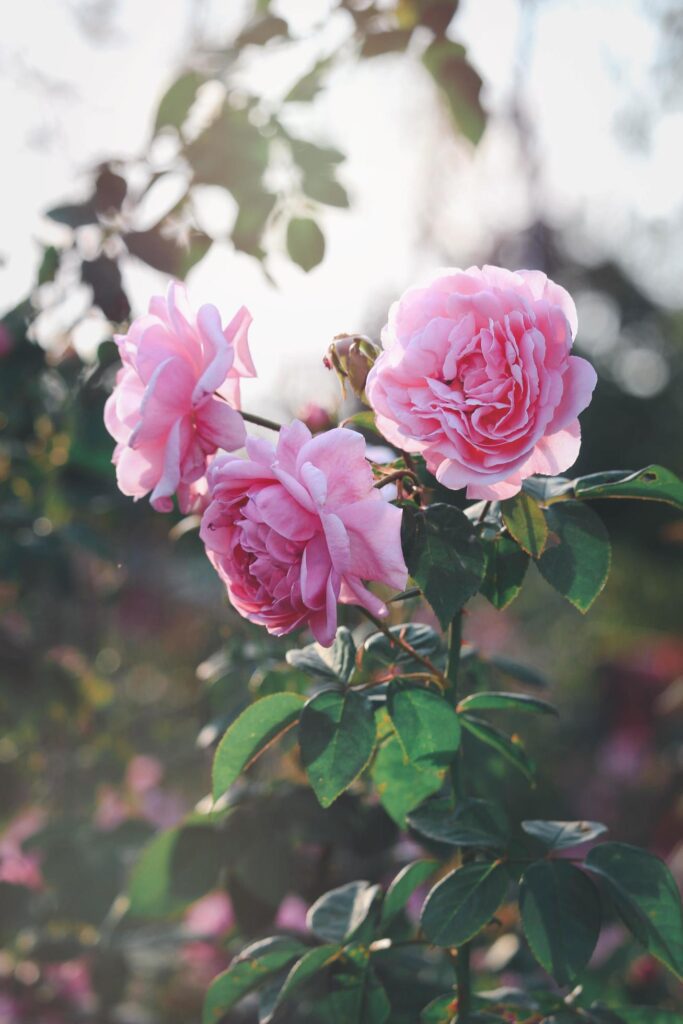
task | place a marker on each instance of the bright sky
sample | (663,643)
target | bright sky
(589,78)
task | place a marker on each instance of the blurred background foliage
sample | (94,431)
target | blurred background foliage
(120,662)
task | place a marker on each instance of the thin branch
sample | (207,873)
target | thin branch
(397,641)
(398,474)
(260,421)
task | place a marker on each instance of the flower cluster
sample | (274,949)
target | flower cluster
(475,375)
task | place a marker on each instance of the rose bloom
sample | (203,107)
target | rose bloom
(164,412)
(477,376)
(296,527)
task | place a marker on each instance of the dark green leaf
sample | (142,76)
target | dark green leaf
(472,823)
(654,483)
(560,835)
(441,1010)
(646,898)
(506,566)
(647,1015)
(522,673)
(498,701)
(443,556)
(447,63)
(261,31)
(310,964)
(104,277)
(427,727)
(251,734)
(49,265)
(167,254)
(526,522)
(195,863)
(247,232)
(358,997)
(305,242)
(256,963)
(547,488)
(337,737)
(75,215)
(404,885)
(325,189)
(560,911)
(577,557)
(379,652)
(400,785)
(463,903)
(509,748)
(341,914)
(176,102)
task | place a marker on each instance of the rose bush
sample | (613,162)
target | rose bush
(176,397)
(298,527)
(477,376)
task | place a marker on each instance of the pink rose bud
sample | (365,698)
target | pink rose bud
(351,356)
(476,375)
(165,412)
(315,417)
(296,527)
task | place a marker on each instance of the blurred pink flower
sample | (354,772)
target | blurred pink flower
(210,916)
(143,773)
(476,375)
(164,411)
(18,867)
(71,980)
(291,915)
(295,528)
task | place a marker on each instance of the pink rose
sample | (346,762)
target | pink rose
(296,527)
(476,375)
(164,412)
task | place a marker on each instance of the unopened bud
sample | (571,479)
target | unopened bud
(351,356)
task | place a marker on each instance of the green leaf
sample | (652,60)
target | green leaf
(577,557)
(252,733)
(427,727)
(404,885)
(358,997)
(444,557)
(646,898)
(379,652)
(506,566)
(526,523)
(335,663)
(256,963)
(149,886)
(654,483)
(75,214)
(447,63)
(342,914)
(308,87)
(49,265)
(176,102)
(647,1015)
(560,910)
(463,903)
(561,835)
(261,31)
(522,673)
(250,224)
(337,737)
(494,700)
(305,242)
(310,964)
(509,748)
(399,784)
(325,189)
(195,862)
(441,1010)
(473,823)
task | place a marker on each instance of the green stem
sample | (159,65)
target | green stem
(462,956)
(260,421)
